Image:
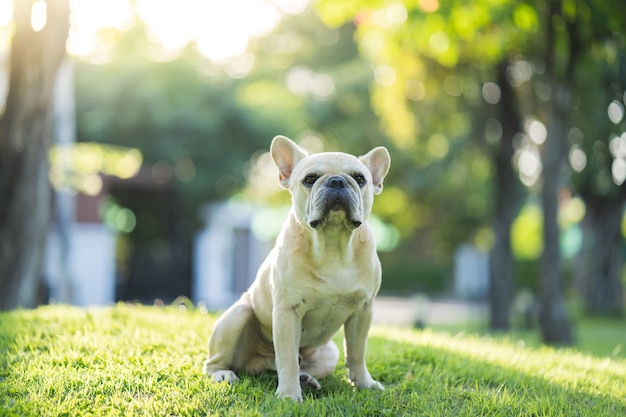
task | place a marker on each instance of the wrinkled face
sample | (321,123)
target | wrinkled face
(331,190)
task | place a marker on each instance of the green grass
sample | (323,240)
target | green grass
(600,337)
(134,360)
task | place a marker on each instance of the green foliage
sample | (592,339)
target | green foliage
(526,273)
(527,232)
(76,166)
(595,139)
(132,360)
(172,112)
(190,114)
(203,123)
(432,60)
(407,274)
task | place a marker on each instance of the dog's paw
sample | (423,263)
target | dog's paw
(307,380)
(294,394)
(225,376)
(368,383)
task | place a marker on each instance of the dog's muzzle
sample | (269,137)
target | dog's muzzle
(335,195)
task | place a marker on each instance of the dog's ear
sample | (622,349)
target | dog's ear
(377,161)
(286,154)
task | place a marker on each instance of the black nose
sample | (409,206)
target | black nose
(336,181)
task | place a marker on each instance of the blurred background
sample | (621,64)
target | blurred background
(503,209)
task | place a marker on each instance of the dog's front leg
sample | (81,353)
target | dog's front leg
(356,329)
(286,334)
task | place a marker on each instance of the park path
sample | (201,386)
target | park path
(404,311)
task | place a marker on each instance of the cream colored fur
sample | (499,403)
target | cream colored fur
(323,273)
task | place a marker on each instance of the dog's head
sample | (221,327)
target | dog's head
(330,189)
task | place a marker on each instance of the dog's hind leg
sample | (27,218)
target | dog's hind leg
(224,341)
(307,380)
(319,362)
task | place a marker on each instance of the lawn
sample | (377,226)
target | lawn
(600,337)
(136,360)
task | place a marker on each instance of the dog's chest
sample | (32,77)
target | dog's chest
(324,314)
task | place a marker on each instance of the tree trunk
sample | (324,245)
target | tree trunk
(25,138)
(604,294)
(553,317)
(507,201)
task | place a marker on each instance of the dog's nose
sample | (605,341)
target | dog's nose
(336,181)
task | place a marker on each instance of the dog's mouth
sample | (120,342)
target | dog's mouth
(337,211)
(321,223)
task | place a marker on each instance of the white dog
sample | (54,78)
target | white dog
(323,273)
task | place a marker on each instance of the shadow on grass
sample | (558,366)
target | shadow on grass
(462,384)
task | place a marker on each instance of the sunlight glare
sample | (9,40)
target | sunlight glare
(536,131)
(81,41)
(240,66)
(529,165)
(166,21)
(6,12)
(617,145)
(373,42)
(303,81)
(293,7)
(100,13)
(616,111)
(395,14)
(221,30)
(491,92)
(577,158)
(39,15)
(90,16)
(385,75)
(439,42)
(618,169)
(298,80)
(519,73)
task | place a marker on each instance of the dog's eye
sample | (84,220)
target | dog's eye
(360,179)
(310,179)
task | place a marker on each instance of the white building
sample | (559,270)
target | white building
(227,254)
(79,265)
(471,272)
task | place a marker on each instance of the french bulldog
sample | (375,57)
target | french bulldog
(322,273)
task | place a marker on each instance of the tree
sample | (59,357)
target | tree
(25,138)
(506,205)
(553,317)
(598,149)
